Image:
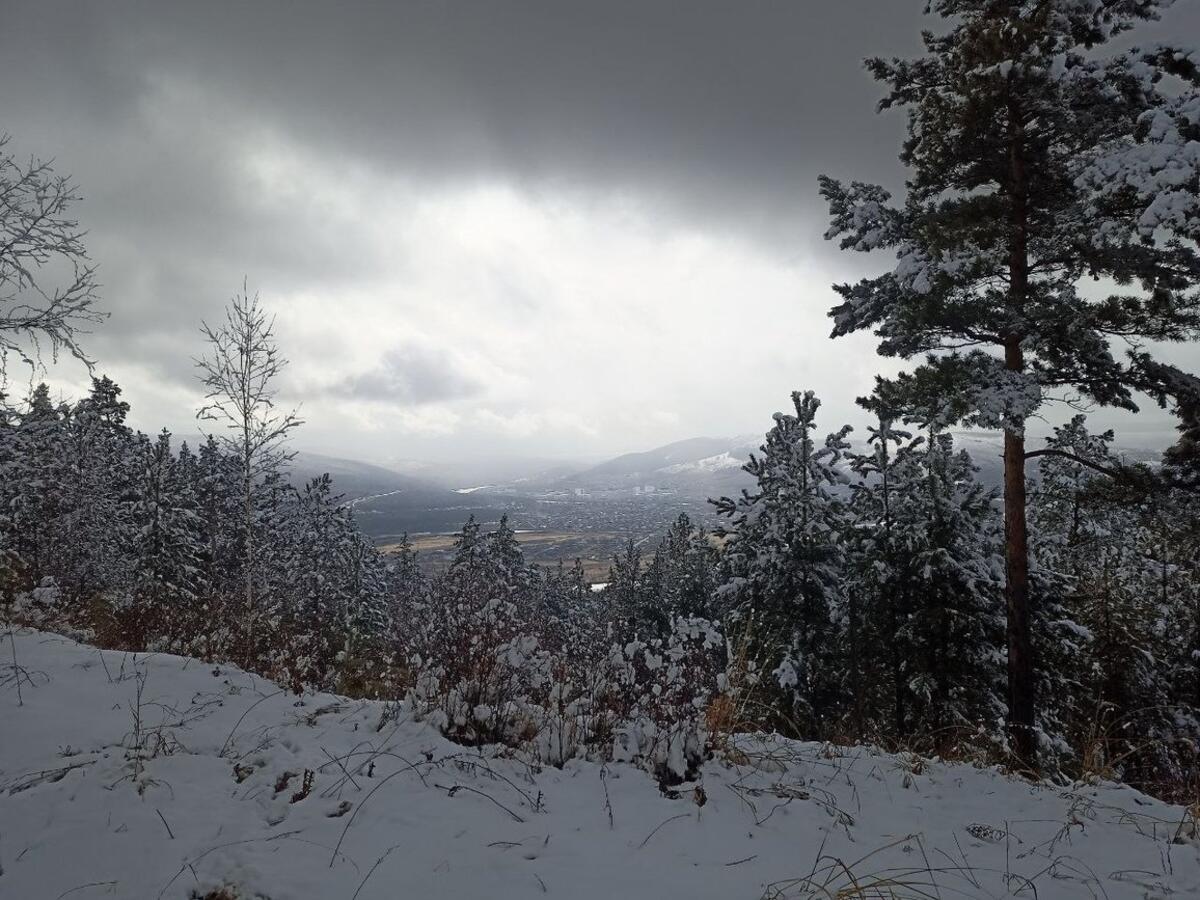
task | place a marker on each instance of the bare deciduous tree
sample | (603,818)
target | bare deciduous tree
(239,376)
(40,242)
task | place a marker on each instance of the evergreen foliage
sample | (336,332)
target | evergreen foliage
(1038,167)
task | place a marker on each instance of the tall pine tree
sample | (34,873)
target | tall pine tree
(1035,166)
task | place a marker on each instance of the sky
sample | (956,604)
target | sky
(555,229)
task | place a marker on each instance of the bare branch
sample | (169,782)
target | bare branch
(38,237)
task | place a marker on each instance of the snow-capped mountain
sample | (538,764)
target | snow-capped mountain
(701,466)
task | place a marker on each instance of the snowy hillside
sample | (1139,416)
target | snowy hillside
(157,776)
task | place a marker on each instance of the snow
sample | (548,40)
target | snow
(147,776)
(715,463)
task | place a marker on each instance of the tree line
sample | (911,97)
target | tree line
(852,595)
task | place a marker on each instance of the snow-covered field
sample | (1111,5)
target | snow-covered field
(156,776)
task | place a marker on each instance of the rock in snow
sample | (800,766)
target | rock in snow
(150,775)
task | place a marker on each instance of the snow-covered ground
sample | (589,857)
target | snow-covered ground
(157,776)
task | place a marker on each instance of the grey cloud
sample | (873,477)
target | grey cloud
(717,113)
(727,110)
(723,109)
(723,112)
(410,375)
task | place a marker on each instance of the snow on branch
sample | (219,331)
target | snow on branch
(38,241)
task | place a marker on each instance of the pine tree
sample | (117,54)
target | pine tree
(680,578)
(924,552)
(408,589)
(956,630)
(626,590)
(164,545)
(1035,165)
(367,584)
(304,561)
(10,558)
(1181,461)
(560,592)
(37,483)
(1065,522)
(489,563)
(877,590)
(1126,585)
(95,494)
(217,479)
(1178,514)
(784,559)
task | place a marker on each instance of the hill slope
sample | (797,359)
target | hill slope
(697,467)
(648,461)
(354,479)
(388,503)
(163,777)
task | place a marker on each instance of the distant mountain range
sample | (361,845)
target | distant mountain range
(544,493)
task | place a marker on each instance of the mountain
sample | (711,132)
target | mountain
(697,467)
(386,503)
(680,452)
(357,480)
(492,471)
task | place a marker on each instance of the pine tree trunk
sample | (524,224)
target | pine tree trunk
(892,603)
(1016,593)
(1021,714)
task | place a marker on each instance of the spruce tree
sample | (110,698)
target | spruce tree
(1035,165)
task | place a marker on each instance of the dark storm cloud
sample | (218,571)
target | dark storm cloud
(721,109)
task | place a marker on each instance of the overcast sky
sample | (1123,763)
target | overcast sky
(553,228)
